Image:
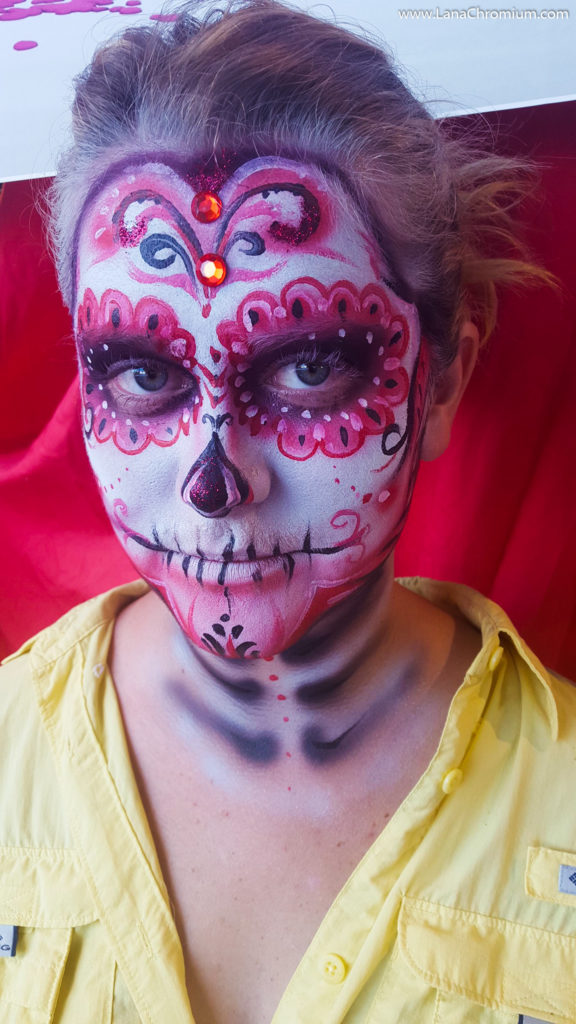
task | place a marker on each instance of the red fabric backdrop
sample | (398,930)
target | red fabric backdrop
(496,512)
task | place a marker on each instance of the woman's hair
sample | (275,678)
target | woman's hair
(262,75)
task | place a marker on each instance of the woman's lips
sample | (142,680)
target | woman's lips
(220,571)
(226,566)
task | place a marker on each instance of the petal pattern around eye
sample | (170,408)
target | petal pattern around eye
(388,334)
(155,320)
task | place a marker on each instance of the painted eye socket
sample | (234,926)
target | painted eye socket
(321,378)
(147,386)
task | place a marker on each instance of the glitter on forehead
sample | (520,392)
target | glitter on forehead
(211,174)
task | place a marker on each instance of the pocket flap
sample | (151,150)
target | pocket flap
(44,888)
(30,981)
(496,963)
(551,875)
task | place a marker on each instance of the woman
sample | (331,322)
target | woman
(269,781)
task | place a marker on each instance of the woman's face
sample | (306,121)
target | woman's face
(253,393)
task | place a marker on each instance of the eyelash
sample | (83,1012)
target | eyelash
(331,358)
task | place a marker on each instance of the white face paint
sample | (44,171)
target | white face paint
(256,440)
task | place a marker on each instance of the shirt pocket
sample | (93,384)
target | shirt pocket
(44,894)
(30,981)
(488,970)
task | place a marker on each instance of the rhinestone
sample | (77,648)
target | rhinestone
(206,207)
(211,270)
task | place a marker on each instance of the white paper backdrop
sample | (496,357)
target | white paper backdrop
(459,59)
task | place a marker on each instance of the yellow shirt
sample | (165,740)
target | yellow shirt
(462,911)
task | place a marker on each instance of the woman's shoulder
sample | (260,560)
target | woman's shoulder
(58,638)
(40,687)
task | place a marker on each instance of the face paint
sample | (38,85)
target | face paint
(255,439)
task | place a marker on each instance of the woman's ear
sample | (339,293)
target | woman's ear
(448,391)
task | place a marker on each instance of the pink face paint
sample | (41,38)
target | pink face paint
(25,44)
(232,403)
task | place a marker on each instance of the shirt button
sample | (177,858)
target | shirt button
(496,659)
(334,969)
(452,780)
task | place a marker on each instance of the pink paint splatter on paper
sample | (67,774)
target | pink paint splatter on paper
(16,10)
(25,44)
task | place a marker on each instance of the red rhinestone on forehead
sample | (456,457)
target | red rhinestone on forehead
(211,269)
(206,207)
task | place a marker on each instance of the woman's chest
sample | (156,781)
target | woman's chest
(249,893)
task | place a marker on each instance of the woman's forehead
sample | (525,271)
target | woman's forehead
(270,219)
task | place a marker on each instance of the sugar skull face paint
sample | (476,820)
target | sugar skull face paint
(256,438)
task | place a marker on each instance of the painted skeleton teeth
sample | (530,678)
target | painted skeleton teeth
(341,333)
(246,396)
(363,403)
(306,414)
(239,382)
(369,337)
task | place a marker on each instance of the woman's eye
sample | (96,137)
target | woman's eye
(319,379)
(146,378)
(150,386)
(303,374)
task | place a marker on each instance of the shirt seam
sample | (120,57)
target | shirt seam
(470,914)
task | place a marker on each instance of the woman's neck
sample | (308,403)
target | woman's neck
(371,672)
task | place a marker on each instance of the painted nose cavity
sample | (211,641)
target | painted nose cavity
(214,485)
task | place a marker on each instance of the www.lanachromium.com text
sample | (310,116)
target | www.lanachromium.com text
(484,14)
